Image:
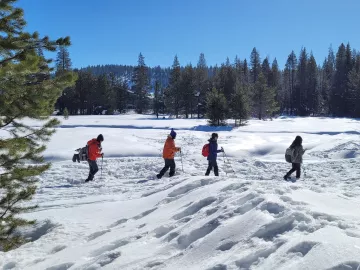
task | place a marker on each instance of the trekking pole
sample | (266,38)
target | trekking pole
(229,162)
(182,165)
(224,161)
(102,161)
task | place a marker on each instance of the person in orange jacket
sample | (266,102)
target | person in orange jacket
(94,152)
(169,155)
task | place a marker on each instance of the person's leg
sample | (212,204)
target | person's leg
(93,169)
(172,167)
(209,168)
(164,170)
(298,170)
(293,169)
(216,168)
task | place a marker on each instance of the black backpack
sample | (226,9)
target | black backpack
(82,154)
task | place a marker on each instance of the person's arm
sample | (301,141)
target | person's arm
(219,150)
(98,152)
(296,153)
(174,148)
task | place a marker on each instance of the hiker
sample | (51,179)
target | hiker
(169,155)
(297,153)
(94,152)
(213,151)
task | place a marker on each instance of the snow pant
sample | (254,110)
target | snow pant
(212,164)
(169,163)
(295,167)
(93,169)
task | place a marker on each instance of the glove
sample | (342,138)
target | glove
(179,149)
(222,149)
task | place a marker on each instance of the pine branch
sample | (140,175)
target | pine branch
(10,121)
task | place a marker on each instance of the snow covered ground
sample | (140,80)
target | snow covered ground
(250,219)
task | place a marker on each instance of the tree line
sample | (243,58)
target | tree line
(236,89)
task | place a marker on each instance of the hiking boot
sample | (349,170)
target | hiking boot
(158,176)
(286,178)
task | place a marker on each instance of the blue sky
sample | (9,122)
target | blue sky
(115,31)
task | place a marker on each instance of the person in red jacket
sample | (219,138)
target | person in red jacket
(94,152)
(169,155)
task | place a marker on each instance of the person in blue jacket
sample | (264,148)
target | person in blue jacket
(213,151)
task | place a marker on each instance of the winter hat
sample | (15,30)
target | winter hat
(173,133)
(100,138)
(214,135)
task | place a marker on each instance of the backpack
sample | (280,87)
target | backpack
(288,155)
(82,154)
(205,150)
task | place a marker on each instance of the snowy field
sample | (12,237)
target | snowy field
(250,219)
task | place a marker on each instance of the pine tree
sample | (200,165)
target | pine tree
(84,90)
(227,63)
(173,97)
(63,64)
(354,87)
(25,93)
(302,87)
(201,75)
(327,81)
(264,98)
(157,88)
(313,95)
(122,94)
(274,81)
(202,82)
(238,70)
(339,87)
(187,89)
(225,80)
(216,106)
(101,89)
(290,81)
(66,113)
(240,103)
(265,69)
(63,61)
(110,94)
(255,65)
(140,80)
(349,100)
(246,75)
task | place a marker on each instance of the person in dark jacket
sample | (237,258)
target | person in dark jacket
(94,152)
(213,151)
(296,157)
